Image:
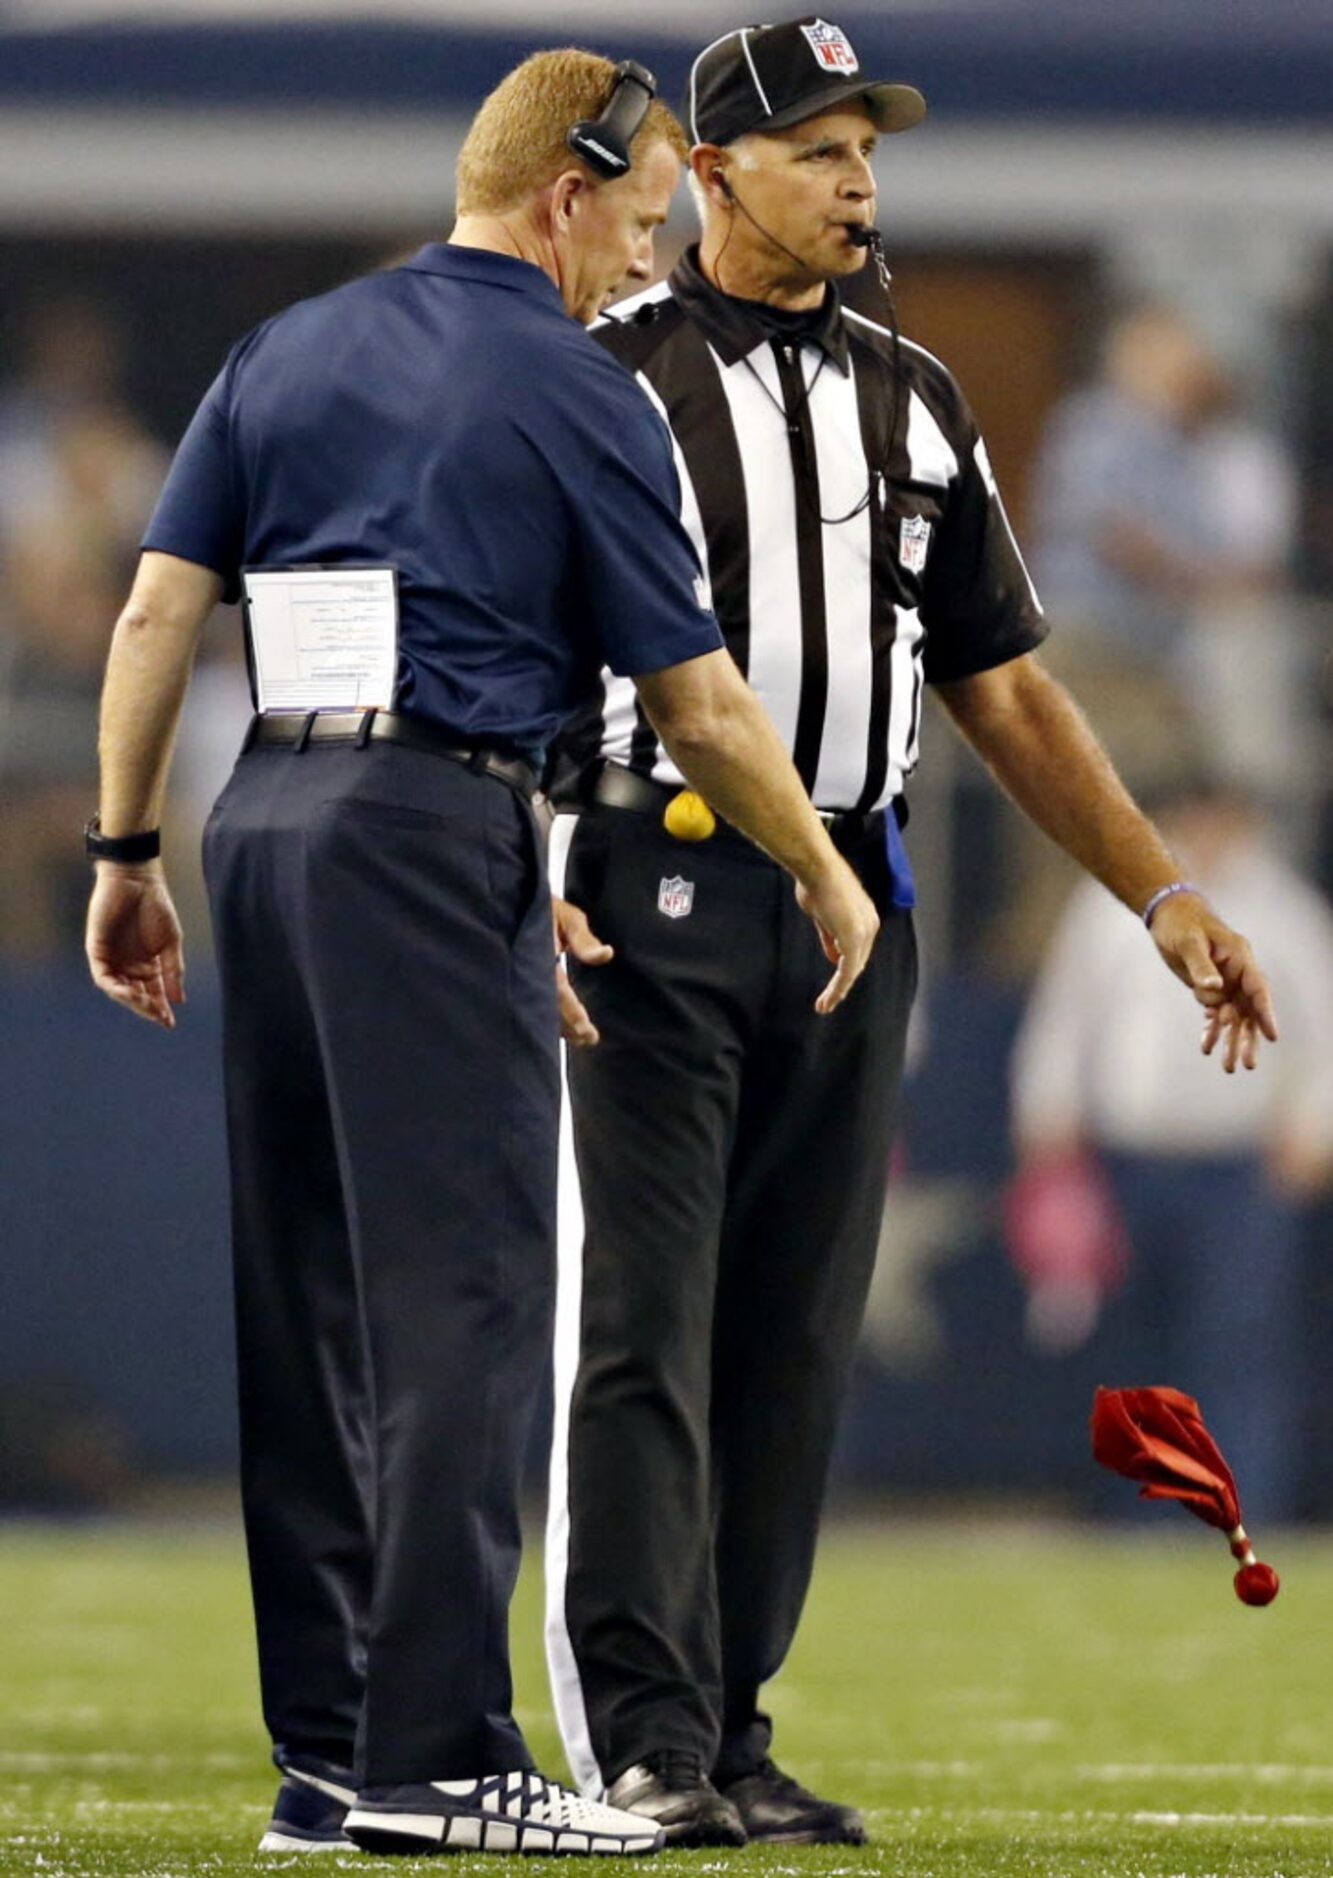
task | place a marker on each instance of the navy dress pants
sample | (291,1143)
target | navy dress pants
(384,941)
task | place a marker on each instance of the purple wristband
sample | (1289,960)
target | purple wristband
(1164,893)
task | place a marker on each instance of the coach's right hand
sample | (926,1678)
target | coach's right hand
(725,746)
(846,921)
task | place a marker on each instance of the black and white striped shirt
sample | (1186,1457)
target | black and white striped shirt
(848,566)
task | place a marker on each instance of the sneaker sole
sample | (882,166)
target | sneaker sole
(426,1833)
(276,1840)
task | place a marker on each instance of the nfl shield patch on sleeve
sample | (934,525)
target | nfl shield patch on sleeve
(675,897)
(913,541)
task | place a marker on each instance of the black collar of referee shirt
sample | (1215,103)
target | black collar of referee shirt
(735,328)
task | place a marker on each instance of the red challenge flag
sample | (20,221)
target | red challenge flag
(1157,1437)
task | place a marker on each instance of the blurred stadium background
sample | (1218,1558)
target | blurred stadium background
(171,173)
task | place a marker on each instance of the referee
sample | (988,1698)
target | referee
(383,924)
(732,1151)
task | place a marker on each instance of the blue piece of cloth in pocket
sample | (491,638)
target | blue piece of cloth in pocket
(903,885)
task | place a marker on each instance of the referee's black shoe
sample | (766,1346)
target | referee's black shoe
(673,1790)
(777,1810)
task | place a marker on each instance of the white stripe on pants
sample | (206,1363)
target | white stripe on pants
(566,1689)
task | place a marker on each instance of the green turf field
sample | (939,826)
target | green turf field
(999,1700)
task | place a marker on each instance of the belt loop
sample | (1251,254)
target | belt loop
(303,735)
(365,727)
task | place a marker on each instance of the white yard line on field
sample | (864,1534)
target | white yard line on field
(101,1760)
(1271,1773)
(1098,1816)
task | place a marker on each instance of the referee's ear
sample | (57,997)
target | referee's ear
(708,170)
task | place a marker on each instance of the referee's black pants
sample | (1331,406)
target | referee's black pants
(732,1151)
(384,941)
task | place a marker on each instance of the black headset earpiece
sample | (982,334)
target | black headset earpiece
(720,178)
(603,142)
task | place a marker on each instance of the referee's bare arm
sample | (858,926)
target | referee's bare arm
(1039,746)
(720,736)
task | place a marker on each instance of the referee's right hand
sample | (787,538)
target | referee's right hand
(846,921)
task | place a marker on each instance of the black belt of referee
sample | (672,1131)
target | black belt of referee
(358,728)
(619,788)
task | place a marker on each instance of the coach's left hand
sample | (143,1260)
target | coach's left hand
(134,945)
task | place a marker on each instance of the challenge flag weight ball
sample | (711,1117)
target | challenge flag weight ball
(1157,1437)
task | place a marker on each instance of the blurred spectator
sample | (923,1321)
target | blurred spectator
(1211,1175)
(70,361)
(60,1452)
(1163,522)
(78,476)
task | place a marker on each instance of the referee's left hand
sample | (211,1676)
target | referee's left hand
(1219,967)
(574,934)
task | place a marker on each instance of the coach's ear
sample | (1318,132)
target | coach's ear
(569,192)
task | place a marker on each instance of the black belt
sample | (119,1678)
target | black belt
(358,728)
(619,788)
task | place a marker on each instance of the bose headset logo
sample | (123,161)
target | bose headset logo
(611,156)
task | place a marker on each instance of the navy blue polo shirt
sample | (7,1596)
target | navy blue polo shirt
(450,418)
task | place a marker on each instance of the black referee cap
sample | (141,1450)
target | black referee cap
(770,77)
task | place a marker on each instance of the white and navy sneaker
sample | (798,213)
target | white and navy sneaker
(516,1812)
(308,1814)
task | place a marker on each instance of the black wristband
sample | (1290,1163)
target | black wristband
(127,849)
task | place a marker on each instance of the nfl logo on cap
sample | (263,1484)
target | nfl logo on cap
(831,47)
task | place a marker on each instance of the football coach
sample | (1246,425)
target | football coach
(442,476)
